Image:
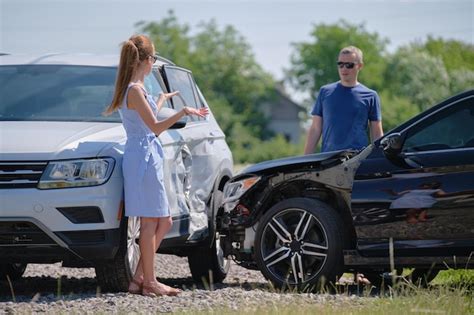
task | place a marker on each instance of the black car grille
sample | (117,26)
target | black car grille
(81,215)
(22,233)
(20,174)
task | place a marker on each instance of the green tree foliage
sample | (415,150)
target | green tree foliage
(225,69)
(417,76)
(396,109)
(313,64)
(455,54)
(457,57)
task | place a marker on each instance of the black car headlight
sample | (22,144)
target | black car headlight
(234,190)
(76,173)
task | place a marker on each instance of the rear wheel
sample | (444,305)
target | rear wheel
(115,274)
(299,244)
(208,265)
(14,271)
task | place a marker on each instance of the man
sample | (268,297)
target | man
(344,108)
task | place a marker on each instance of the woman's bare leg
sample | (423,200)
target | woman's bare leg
(147,248)
(163,227)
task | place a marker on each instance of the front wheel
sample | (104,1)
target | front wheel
(115,274)
(299,244)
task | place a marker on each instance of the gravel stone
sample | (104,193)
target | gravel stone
(37,292)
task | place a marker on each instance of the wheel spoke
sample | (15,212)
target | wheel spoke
(293,267)
(300,223)
(279,259)
(279,250)
(308,221)
(300,262)
(278,234)
(316,246)
(310,253)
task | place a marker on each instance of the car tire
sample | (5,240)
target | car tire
(208,264)
(14,271)
(114,275)
(298,244)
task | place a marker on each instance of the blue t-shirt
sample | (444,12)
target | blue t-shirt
(345,112)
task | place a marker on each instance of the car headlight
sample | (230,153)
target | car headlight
(234,190)
(76,173)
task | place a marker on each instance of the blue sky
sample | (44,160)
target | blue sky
(34,26)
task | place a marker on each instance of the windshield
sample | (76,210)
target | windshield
(56,93)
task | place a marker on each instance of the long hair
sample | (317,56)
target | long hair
(134,51)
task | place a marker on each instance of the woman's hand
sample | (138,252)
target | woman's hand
(167,96)
(201,112)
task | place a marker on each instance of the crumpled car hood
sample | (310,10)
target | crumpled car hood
(297,162)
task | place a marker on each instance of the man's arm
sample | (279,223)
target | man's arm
(314,133)
(376,130)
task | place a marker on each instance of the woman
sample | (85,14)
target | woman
(142,165)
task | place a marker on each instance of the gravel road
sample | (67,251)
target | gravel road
(246,289)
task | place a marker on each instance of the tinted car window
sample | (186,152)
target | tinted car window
(181,80)
(56,93)
(449,129)
(60,92)
(154,88)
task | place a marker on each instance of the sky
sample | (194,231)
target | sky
(269,26)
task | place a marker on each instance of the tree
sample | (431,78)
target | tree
(313,64)
(455,54)
(225,69)
(418,76)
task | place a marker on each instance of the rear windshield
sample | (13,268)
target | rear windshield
(56,93)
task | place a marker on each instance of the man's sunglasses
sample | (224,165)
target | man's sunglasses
(155,58)
(348,65)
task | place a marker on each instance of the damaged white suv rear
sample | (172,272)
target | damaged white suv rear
(61,190)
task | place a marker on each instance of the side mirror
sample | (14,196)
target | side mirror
(392,144)
(166,113)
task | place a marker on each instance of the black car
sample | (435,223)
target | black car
(405,201)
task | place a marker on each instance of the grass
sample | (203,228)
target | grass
(403,299)
(451,292)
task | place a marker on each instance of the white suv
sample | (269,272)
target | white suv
(61,191)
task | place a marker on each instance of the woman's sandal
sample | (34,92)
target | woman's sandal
(139,287)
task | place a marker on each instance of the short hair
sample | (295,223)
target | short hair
(353,50)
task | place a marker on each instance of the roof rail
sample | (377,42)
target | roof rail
(3,54)
(161,58)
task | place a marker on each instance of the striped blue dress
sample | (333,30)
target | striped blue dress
(142,165)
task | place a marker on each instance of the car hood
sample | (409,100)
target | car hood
(40,140)
(299,162)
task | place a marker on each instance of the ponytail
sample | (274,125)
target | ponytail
(134,50)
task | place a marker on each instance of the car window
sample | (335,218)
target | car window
(154,88)
(451,128)
(56,93)
(182,81)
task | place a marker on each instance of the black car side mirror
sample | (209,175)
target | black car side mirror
(166,112)
(392,144)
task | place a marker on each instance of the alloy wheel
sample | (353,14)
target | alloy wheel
(294,246)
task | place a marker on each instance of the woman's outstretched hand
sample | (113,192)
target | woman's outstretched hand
(201,112)
(167,96)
